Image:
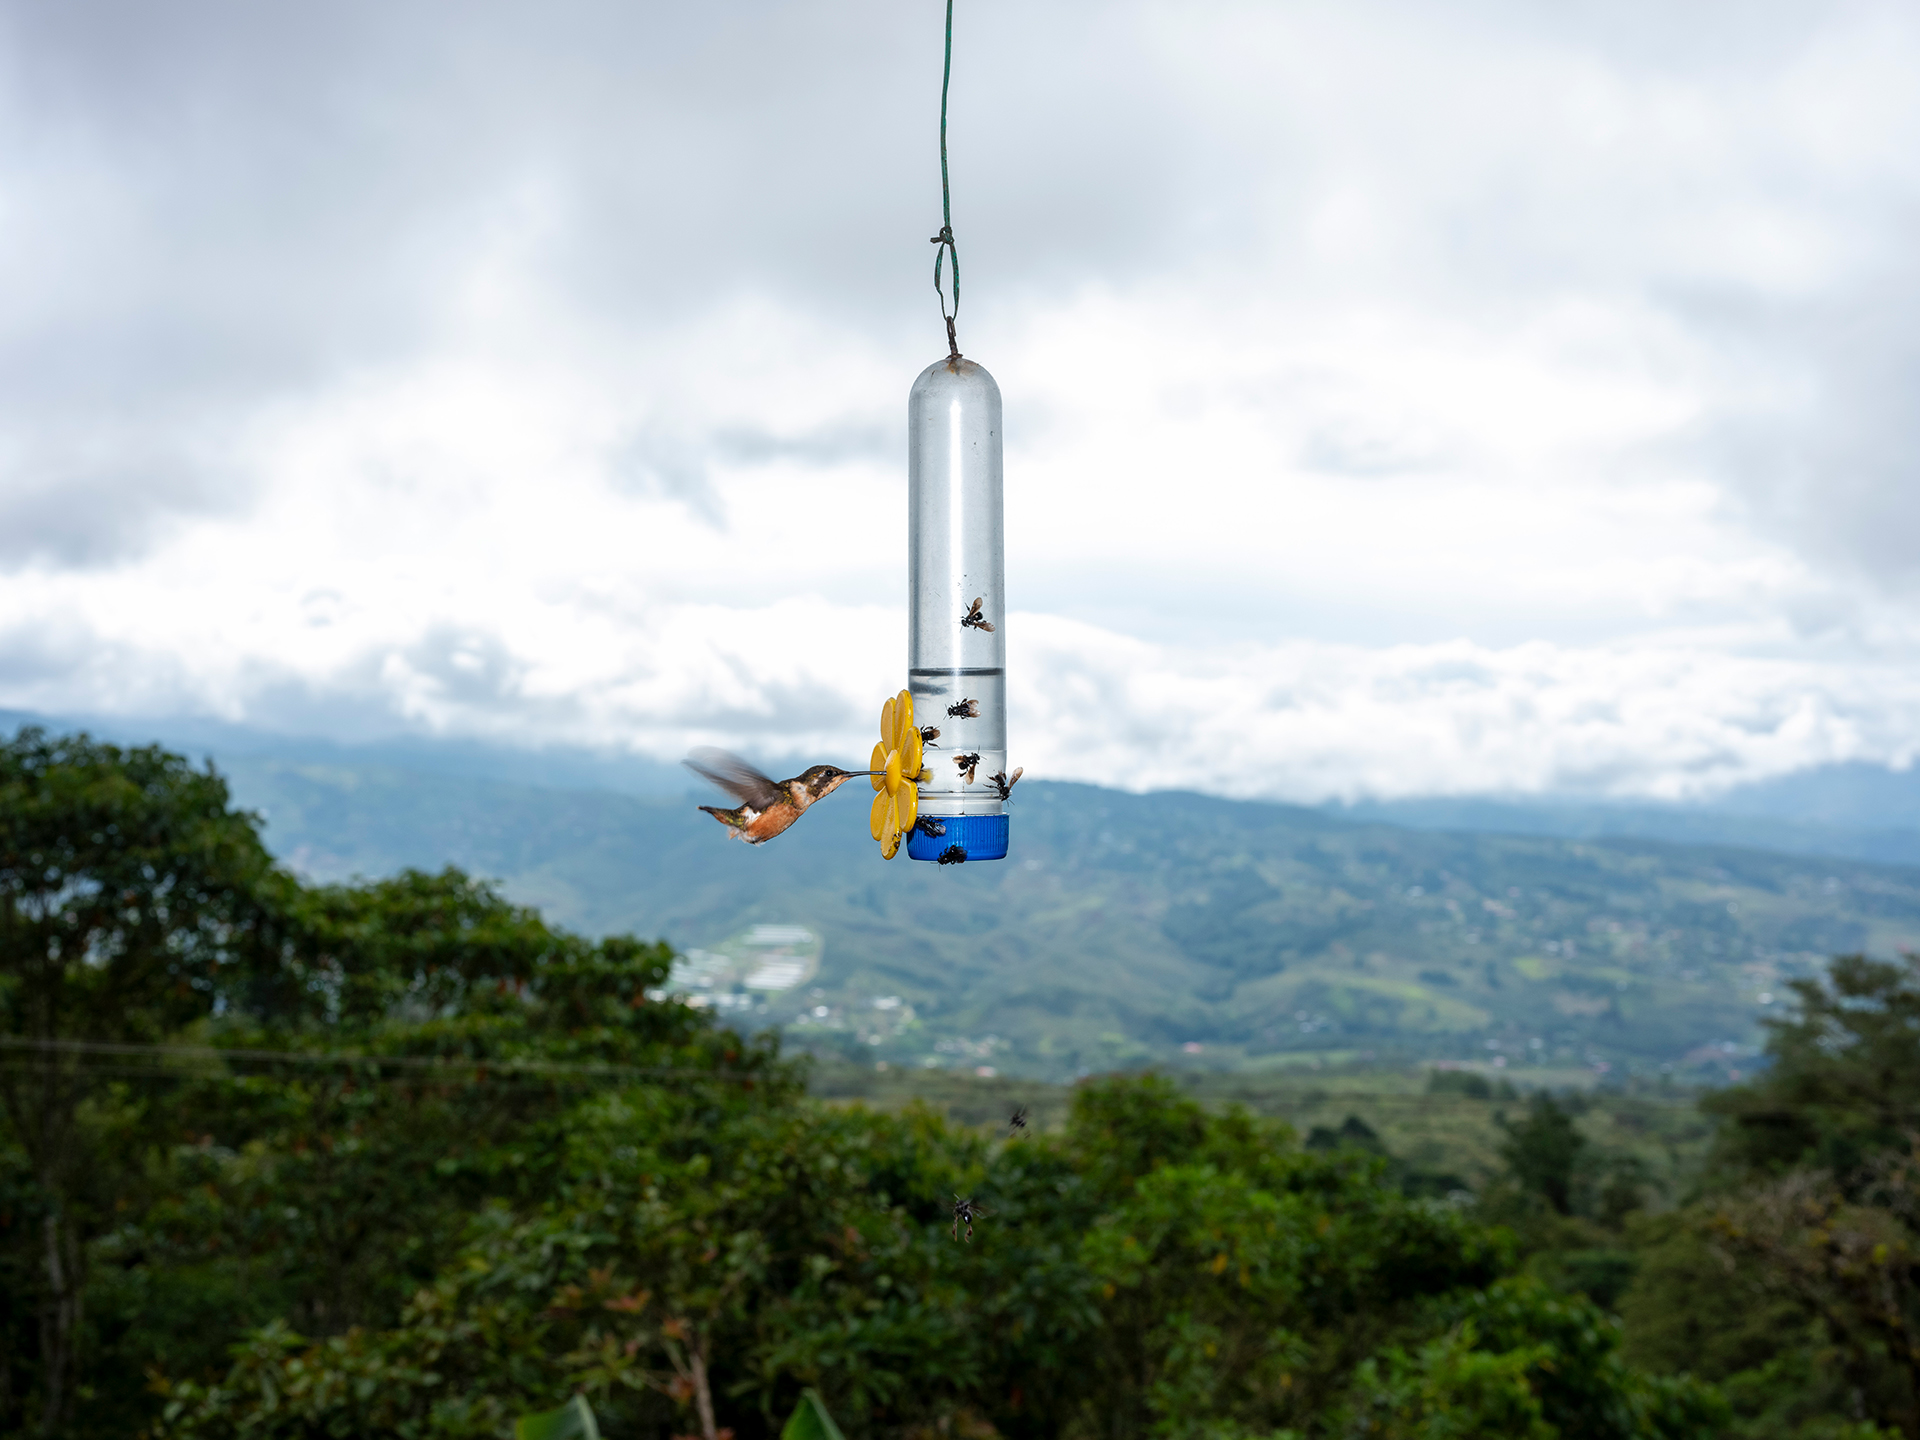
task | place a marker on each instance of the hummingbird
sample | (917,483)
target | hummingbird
(767,807)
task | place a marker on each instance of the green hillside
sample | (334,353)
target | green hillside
(1128,929)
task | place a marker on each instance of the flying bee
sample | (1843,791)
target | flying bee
(929,734)
(1016,1122)
(965,710)
(969,765)
(931,828)
(1004,782)
(973,619)
(954,855)
(965,1212)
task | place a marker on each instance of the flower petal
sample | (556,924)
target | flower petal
(886,725)
(890,846)
(878,762)
(907,804)
(893,772)
(902,718)
(910,754)
(880,817)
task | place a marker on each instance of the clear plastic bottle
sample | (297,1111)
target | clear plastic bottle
(956,549)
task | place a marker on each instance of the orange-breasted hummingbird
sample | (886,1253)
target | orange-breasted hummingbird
(767,807)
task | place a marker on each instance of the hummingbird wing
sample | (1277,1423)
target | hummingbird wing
(733,775)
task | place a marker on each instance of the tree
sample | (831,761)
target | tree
(1155,1270)
(456,1030)
(1544,1150)
(129,892)
(375,1062)
(1843,1079)
(432,1050)
(433,1164)
(1851,1263)
(1519,1360)
(1249,1298)
(1795,1281)
(706,1251)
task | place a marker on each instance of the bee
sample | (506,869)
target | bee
(954,855)
(965,710)
(929,734)
(965,1212)
(969,765)
(973,619)
(1004,782)
(1016,1122)
(931,828)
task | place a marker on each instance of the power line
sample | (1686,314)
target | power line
(419,1063)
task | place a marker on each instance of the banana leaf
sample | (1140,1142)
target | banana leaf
(810,1420)
(572,1421)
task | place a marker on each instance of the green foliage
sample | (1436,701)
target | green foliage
(1451,1387)
(1249,1297)
(1796,1283)
(1696,1307)
(1544,1151)
(572,1421)
(1465,1082)
(131,896)
(810,1420)
(330,1197)
(1352,1132)
(1844,1082)
(401,1159)
(1151,1270)
(426,1042)
(127,889)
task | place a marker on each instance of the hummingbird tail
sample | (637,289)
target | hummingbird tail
(729,818)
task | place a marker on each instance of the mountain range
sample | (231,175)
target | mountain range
(1169,928)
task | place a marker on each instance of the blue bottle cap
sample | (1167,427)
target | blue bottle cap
(968,837)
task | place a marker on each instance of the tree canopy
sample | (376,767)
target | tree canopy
(399,1158)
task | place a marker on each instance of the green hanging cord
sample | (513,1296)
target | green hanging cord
(945,238)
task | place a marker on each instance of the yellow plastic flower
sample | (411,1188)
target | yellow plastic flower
(896,761)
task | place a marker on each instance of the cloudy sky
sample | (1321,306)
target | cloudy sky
(1401,398)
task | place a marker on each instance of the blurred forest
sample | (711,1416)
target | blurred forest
(399,1158)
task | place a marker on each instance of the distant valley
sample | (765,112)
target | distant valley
(1168,928)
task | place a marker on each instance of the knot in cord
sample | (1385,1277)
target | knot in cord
(945,241)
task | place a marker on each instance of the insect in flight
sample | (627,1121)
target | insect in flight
(1016,1122)
(973,619)
(965,1212)
(1004,782)
(965,710)
(929,734)
(969,765)
(954,855)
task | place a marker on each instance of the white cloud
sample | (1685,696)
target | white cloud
(1311,721)
(1399,399)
